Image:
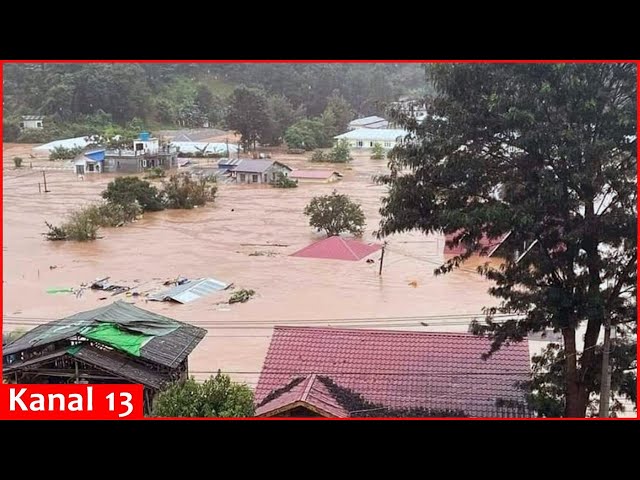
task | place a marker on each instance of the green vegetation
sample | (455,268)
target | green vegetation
(377,152)
(335,213)
(96,99)
(155,173)
(282,181)
(216,397)
(241,296)
(559,142)
(183,192)
(307,134)
(83,224)
(62,153)
(128,190)
(17,161)
(340,153)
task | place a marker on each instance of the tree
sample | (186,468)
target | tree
(17,161)
(307,133)
(127,190)
(335,213)
(281,116)
(183,192)
(337,115)
(377,152)
(282,181)
(216,397)
(558,141)
(341,152)
(248,115)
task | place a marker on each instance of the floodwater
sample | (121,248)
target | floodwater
(213,242)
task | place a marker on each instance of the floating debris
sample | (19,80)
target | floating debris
(241,296)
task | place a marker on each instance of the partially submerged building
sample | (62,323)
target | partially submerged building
(338,248)
(118,343)
(145,152)
(341,372)
(32,122)
(258,171)
(314,176)
(362,138)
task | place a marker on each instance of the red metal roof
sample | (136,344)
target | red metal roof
(490,243)
(338,248)
(399,369)
(310,392)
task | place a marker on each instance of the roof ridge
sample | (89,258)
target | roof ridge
(344,242)
(356,330)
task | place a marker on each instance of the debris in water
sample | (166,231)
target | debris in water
(103,284)
(259,253)
(370,260)
(52,267)
(241,296)
(52,291)
(413,283)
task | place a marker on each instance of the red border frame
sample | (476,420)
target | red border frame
(637,62)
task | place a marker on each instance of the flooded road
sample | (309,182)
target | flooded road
(212,242)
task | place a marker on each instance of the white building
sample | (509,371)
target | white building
(30,122)
(368,137)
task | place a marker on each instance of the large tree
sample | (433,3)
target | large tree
(548,153)
(335,213)
(248,115)
(216,397)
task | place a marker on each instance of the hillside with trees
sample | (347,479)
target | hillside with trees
(99,98)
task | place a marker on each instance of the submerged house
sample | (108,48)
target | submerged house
(145,152)
(90,162)
(118,343)
(308,176)
(341,372)
(258,171)
(368,137)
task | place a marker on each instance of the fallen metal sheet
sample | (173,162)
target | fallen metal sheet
(191,290)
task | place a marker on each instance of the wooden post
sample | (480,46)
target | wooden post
(39,188)
(44,176)
(382,258)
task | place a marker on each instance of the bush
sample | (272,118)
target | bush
(155,172)
(335,214)
(184,192)
(216,397)
(241,296)
(341,152)
(127,190)
(17,161)
(82,225)
(319,156)
(34,136)
(10,131)
(377,153)
(282,181)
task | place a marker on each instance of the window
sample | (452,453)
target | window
(387,144)
(371,144)
(242,177)
(266,178)
(254,178)
(21,124)
(359,144)
(39,124)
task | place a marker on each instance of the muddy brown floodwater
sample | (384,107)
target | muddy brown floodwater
(207,242)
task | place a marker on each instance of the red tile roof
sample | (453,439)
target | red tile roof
(310,393)
(338,248)
(399,369)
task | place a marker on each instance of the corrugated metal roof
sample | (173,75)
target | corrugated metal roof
(191,290)
(374,134)
(321,174)
(121,365)
(172,341)
(28,118)
(206,147)
(253,166)
(81,142)
(366,121)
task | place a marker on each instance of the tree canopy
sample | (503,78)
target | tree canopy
(547,153)
(216,397)
(335,213)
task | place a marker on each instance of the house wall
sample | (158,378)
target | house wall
(267,176)
(31,124)
(363,143)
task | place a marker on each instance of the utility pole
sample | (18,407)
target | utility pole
(382,258)
(605,379)
(44,176)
